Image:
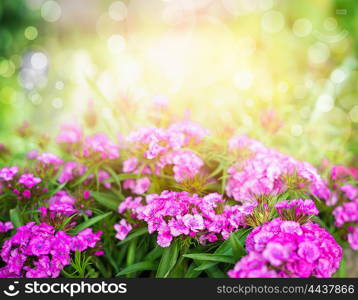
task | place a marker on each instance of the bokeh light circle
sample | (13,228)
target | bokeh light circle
(57,103)
(296,130)
(116,43)
(325,103)
(51,11)
(31,33)
(117,11)
(330,24)
(338,76)
(59,85)
(39,61)
(243,79)
(318,53)
(272,21)
(302,27)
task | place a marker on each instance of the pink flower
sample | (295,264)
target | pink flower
(291,227)
(262,170)
(353,237)
(49,159)
(194,222)
(173,214)
(283,249)
(8,174)
(6,226)
(103,177)
(308,251)
(185,164)
(26,193)
(275,253)
(130,165)
(70,133)
(70,171)
(164,237)
(39,251)
(99,144)
(137,186)
(62,203)
(122,229)
(142,185)
(351,191)
(29,180)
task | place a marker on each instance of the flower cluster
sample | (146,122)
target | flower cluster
(173,214)
(37,250)
(100,146)
(22,185)
(266,171)
(48,159)
(296,208)
(70,171)
(156,149)
(344,198)
(70,134)
(8,174)
(156,141)
(185,164)
(340,173)
(96,147)
(287,249)
(346,213)
(62,203)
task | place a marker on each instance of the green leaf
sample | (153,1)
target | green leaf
(191,272)
(131,254)
(90,222)
(238,249)
(169,258)
(154,254)
(67,221)
(15,217)
(107,200)
(141,266)
(341,273)
(83,177)
(215,272)
(133,235)
(211,257)
(224,248)
(126,176)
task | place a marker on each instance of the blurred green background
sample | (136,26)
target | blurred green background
(282,71)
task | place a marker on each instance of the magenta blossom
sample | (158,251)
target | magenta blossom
(6,226)
(8,174)
(70,133)
(289,249)
(172,214)
(29,180)
(122,229)
(40,251)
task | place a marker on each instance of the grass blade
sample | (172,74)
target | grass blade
(169,258)
(90,222)
(141,266)
(211,257)
(133,235)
